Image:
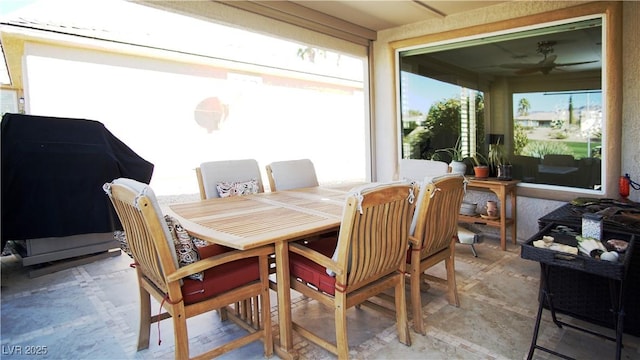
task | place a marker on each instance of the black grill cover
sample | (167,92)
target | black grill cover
(53,170)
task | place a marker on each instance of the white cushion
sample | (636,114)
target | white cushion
(293,174)
(214,172)
(143,189)
(417,170)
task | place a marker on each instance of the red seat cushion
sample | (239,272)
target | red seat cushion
(311,272)
(220,278)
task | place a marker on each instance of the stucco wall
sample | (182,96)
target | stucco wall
(631,93)
(529,209)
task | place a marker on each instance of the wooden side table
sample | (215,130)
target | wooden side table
(502,189)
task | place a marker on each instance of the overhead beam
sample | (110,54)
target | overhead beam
(307,18)
(430,8)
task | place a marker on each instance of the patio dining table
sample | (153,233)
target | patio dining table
(250,221)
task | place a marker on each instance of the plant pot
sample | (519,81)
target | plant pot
(504,172)
(458,167)
(481,171)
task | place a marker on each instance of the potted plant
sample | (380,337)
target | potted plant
(499,161)
(480,167)
(456,155)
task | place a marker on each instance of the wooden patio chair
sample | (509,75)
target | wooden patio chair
(214,177)
(291,174)
(294,174)
(231,178)
(420,170)
(225,178)
(433,238)
(229,276)
(367,258)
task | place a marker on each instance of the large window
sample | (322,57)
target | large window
(539,91)
(558,138)
(231,94)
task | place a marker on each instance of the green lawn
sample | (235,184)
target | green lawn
(576,148)
(579,149)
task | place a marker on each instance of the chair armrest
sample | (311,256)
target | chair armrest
(217,260)
(316,257)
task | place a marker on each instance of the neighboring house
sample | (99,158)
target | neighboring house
(537,119)
(588,119)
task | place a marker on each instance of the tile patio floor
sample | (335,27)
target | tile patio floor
(91,312)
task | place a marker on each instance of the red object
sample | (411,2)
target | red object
(623,185)
(314,273)
(220,278)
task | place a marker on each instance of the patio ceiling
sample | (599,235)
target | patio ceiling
(381,15)
(357,21)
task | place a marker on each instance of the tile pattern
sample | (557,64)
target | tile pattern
(91,311)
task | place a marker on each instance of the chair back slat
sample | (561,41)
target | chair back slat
(145,236)
(374,236)
(438,214)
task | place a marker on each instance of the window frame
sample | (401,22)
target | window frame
(611,84)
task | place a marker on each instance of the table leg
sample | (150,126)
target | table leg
(284,298)
(616,293)
(503,218)
(536,328)
(542,295)
(514,216)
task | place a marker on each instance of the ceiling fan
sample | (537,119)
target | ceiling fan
(545,65)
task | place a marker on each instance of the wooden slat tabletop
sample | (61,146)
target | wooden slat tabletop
(245,222)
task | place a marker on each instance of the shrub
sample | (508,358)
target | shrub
(558,135)
(540,148)
(520,139)
(419,141)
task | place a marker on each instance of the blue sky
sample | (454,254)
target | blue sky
(8,6)
(424,92)
(551,101)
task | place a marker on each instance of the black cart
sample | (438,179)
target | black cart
(614,273)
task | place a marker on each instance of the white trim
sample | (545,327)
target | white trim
(231,14)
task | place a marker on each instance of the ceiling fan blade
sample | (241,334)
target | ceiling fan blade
(545,63)
(576,63)
(544,66)
(519,66)
(522,65)
(531,70)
